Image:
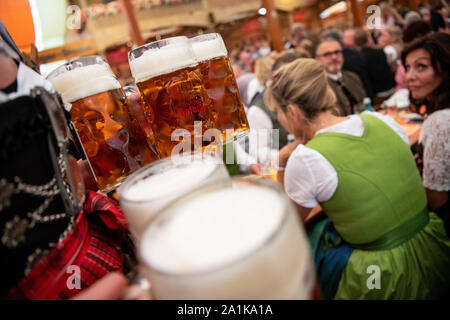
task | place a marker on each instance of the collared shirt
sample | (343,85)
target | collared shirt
(335,77)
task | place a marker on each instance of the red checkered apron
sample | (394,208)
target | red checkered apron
(93,248)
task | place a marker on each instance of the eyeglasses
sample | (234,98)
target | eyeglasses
(329,54)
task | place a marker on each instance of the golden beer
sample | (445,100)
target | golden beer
(114,141)
(175,101)
(172,91)
(220,84)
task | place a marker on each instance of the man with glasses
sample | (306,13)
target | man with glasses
(346,85)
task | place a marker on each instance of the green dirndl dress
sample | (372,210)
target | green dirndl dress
(380,241)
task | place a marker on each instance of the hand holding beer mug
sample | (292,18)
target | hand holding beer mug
(173,94)
(114,142)
(150,189)
(240,242)
(220,85)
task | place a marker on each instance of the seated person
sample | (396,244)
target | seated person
(381,78)
(427,63)
(346,85)
(359,168)
(263,120)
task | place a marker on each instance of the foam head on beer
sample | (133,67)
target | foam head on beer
(208,46)
(228,244)
(167,181)
(83,77)
(152,188)
(161,57)
(235,223)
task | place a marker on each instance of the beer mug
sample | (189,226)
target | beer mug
(114,142)
(220,85)
(242,242)
(173,95)
(150,189)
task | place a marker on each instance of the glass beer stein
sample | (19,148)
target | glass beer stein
(174,98)
(150,189)
(221,86)
(114,141)
(243,242)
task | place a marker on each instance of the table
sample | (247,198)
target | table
(413,132)
(412,128)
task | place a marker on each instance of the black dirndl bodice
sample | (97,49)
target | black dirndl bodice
(40,193)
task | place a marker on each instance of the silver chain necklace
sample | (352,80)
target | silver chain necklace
(16,228)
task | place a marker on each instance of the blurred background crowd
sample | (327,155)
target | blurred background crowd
(361,57)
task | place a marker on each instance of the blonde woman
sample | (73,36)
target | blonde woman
(392,44)
(263,140)
(380,241)
(263,67)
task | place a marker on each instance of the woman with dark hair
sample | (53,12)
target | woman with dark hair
(412,32)
(380,241)
(427,64)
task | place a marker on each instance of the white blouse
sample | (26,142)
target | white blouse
(259,141)
(253,88)
(435,138)
(310,178)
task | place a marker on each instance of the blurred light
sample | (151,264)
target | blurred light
(334,9)
(325,14)
(37,25)
(262,11)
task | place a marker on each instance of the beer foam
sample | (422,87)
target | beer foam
(84,82)
(155,62)
(212,230)
(169,183)
(209,49)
